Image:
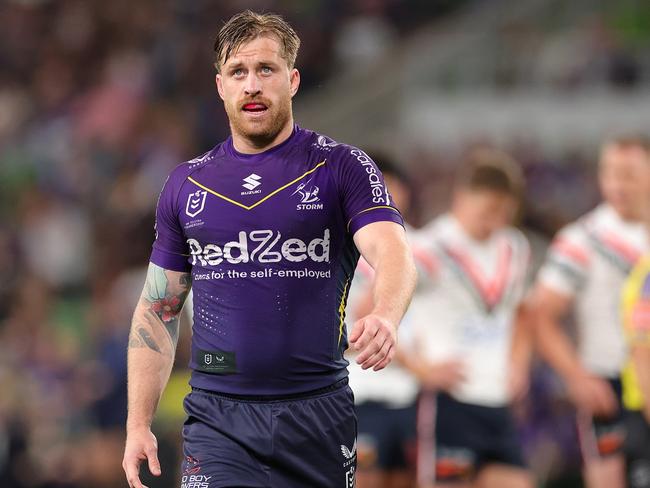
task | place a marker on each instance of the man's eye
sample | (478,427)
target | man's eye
(266,70)
(238,72)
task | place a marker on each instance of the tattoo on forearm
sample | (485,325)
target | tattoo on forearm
(163,297)
(186,280)
(149,341)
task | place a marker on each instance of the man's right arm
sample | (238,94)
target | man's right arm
(589,393)
(152,347)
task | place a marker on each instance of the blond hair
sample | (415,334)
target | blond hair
(246,26)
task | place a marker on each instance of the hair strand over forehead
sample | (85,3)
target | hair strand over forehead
(246,26)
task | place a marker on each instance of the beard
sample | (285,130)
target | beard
(264,131)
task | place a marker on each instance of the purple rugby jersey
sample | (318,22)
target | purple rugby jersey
(268,240)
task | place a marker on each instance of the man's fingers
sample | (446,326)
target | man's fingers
(386,361)
(378,356)
(357,330)
(154,464)
(606,400)
(372,348)
(369,333)
(132,470)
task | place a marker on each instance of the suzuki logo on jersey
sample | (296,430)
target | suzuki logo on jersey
(195,203)
(308,197)
(262,246)
(252,181)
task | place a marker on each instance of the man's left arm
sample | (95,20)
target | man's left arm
(383,244)
(521,353)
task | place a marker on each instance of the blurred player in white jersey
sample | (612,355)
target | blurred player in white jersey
(467,337)
(584,271)
(385,400)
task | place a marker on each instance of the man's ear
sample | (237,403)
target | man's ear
(219,81)
(294,78)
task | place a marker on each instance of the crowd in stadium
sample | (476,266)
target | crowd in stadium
(99,101)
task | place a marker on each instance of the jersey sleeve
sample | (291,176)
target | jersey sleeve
(170,250)
(365,198)
(567,261)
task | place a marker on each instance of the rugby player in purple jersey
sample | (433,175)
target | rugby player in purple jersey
(267,228)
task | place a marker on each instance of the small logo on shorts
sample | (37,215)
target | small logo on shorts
(208,358)
(349,453)
(350,481)
(350,456)
(191,465)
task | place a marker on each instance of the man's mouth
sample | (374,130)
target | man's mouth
(254,107)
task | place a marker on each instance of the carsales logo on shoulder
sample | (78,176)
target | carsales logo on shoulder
(262,246)
(377,187)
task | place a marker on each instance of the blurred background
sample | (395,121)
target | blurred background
(100,100)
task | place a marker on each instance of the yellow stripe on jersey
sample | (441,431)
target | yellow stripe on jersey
(250,207)
(342,310)
(635,311)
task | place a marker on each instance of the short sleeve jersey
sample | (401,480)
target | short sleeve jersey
(268,239)
(466,302)
(589,260)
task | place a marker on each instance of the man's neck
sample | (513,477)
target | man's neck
(247,145)
(467,228)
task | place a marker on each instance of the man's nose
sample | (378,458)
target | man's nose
(253,85)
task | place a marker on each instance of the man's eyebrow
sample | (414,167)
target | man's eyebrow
(234,65)
(240,64)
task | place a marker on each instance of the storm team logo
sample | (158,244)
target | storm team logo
(195,203)
(309,199)
(308,194)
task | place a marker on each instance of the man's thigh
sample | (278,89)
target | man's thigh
(315,442)
(503,476)
(469,438)
(637,451)
(224,444)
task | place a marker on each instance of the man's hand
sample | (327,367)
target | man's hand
(140,445)
(518,382)
(374,338)
(444,376)
(592,395)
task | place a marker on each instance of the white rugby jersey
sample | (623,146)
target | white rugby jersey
(466,303)
(589,261)
(394,385)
